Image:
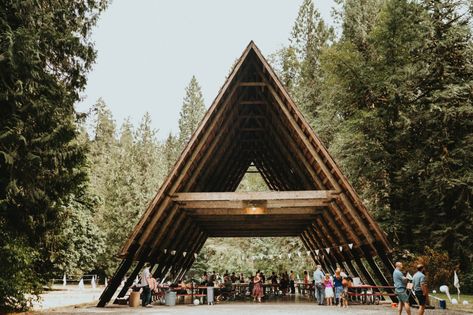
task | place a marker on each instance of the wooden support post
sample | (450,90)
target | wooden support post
(179,243)
(307,244)
(129,281)
(164,263)
(115,282)
(367,278)
(177,260)
(332,263)
(353,270)
(379,275)
(318,244)
(200,241)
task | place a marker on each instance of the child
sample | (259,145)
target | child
(346,282)
(328,290)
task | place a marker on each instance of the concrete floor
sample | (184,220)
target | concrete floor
(56,303)
(239,308)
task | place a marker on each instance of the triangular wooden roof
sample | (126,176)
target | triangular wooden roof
(254,122)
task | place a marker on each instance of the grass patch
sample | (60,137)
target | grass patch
(457,307)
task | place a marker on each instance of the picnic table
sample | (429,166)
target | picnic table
(370,294)
(305,289)
(192,291)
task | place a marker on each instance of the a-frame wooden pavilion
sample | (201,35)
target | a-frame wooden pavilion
(254,122)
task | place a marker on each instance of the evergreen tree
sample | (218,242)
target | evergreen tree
(149,161)
(192,112)
(310,35)
(170,152)
(298,65)
(81,243)
(439,134)
(397,117)
(45,53)
(125,176)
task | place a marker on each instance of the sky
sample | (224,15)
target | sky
(148,50)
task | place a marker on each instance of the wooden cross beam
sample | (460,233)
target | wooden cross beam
(255,201)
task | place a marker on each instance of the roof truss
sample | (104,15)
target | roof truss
(254,122)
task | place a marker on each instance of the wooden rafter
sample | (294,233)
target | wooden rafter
(254,122)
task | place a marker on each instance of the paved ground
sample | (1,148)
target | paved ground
(236,308)
(56,303)
(66,296)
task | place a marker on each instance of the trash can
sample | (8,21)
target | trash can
(442,304)
(170,298)
(134,300)
(210,295)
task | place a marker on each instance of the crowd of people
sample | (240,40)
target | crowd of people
(329,289)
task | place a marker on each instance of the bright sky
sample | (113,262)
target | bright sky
(148,51)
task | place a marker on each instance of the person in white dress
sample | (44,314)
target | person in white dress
(328,283)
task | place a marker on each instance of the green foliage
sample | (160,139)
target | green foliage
(298,65)
(45,54)
(439,267)
(16,275)
(80,242)
(126,169)
(171,152)
(192,112)
(395,110)
(252,181)
(247,255)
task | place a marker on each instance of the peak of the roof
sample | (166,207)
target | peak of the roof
(253,45)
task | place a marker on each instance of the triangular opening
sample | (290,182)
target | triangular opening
(252,181)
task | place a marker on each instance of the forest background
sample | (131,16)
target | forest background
(390,92)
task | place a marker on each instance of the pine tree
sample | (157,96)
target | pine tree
(310,35)
(125,175)
(397,117)
(439,135)
(149,161)
(192,112)
(170,152)
(126,134)
(45,55)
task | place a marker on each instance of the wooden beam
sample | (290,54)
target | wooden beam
(252,84)
(236,212)
(326,195)
(253,102)
(281,233)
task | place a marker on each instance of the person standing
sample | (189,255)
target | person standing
(306,281)
(213,277)
(292,278)
(274,282)
(328,284)
(346,282)
(319,285)
(284,283)
(338,287)
(400,288)
(420,288)
(233,277)
(257,287)
(146,274)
